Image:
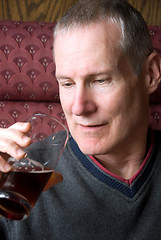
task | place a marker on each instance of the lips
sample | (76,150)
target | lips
(91,127)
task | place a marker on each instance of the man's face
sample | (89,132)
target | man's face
(104,101)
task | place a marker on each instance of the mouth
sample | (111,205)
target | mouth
(90,128)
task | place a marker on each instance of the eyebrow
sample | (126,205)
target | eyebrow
(61,77)
(88,76)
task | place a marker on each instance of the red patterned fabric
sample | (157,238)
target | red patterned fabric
(14,111)
(155,106)
(27,70)
(27,73)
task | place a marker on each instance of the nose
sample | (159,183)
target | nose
(83,103)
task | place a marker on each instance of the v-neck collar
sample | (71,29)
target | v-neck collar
(128,188)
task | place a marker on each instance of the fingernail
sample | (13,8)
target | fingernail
(20,151)
(26,139)
(7,167)
(26,123)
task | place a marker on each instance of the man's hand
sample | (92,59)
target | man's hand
(12,142)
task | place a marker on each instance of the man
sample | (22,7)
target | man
(106,70)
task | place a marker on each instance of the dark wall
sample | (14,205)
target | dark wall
(52,10)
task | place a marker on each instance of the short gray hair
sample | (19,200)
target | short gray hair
(135,38)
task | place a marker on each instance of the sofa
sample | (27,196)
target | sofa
(27,73)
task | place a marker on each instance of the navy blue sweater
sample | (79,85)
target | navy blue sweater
(91,204)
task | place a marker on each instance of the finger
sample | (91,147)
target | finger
(21,126)
(55,178)
(19,130)
(4,166)
(12,140)
(15,135)
(12,148)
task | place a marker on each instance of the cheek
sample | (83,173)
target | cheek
(66,104)
(115,104)
(127,108)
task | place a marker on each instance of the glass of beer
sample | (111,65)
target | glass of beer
(21,187)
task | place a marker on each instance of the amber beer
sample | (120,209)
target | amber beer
(19,191)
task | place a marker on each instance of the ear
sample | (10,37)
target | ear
(153,67)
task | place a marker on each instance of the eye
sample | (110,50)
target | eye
(103,81)
(65,83)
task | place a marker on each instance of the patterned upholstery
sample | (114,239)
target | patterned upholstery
(155,102)
(27,73)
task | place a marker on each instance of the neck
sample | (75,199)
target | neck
(125,163)
(126,168)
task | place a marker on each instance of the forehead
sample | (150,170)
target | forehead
(101,32)
(91,46)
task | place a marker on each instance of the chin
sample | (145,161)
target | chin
(91,145)
(91,149)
